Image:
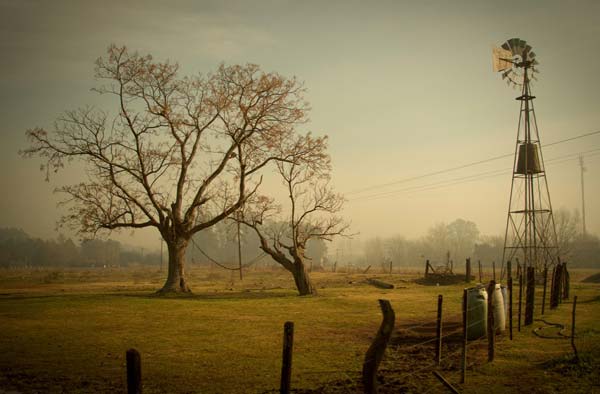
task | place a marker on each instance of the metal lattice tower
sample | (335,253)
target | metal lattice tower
(530,236)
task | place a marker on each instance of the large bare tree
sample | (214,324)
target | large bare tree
(179,154)
(310,212)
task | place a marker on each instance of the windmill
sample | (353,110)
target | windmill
(530,235)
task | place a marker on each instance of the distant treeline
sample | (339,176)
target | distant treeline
(18,249)
(219,243)
(461,239)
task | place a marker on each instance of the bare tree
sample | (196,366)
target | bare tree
(567,230)
(463,235)
(180,154)
(311,214)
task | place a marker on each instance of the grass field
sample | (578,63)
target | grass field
(67,331)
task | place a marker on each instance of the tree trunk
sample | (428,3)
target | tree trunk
(302,279)
(176,281)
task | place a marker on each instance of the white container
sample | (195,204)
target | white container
(499,309)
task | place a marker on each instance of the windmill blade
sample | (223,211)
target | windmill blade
(506,46)
(505,73)
(518,50)
(514,43)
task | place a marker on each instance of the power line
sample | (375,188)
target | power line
(455,181)
(468,178)
(381,185)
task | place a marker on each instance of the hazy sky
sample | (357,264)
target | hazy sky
(402,89)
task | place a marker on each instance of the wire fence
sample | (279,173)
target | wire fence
(418,373)
(410,358)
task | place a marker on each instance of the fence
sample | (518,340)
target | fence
(375,354)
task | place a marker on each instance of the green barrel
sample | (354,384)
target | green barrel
(476,312)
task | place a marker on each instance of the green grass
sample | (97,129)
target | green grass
(67,331)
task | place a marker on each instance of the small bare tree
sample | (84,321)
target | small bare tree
(179,155)
(567,224)
(311,214)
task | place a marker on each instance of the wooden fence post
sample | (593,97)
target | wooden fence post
(491,330)
(494,271)
(426,268)
(480,278)
(286,362)
(552,288)
(556,288)
(134,372)
(573,329)
(508,269)
(391,266)
(530,296)
(438,331)
(566,284)
(544,293)
(520,300)
(561,281)
(510,307)
(465,306)
(377,349)
(468,270)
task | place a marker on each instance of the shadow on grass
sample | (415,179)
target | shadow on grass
(589,301)
(199,296)
(213,295)
(442,279)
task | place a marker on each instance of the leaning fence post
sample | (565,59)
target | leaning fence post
(465,305)
(491,330)
(445,382)
(438,331)
(426,268)
(377,349)
(286,363)
(530,297)
(134,372)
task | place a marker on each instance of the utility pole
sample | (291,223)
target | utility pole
(583,169)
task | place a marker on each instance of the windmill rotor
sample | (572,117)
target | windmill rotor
(514,59)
